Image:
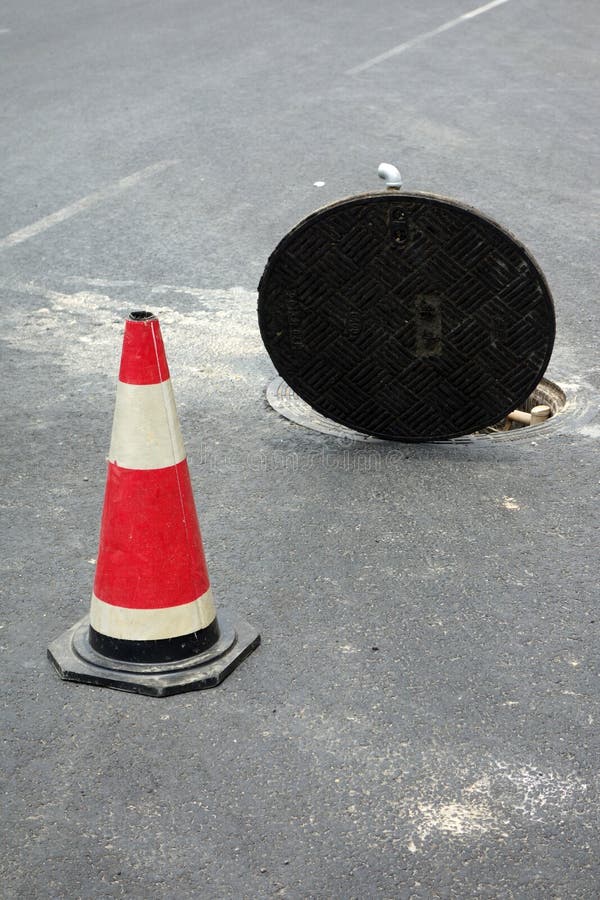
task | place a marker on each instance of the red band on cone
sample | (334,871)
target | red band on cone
(143,360)
(150,554)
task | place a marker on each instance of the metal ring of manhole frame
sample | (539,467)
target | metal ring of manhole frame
(406,316)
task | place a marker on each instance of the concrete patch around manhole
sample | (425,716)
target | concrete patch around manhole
(570,407)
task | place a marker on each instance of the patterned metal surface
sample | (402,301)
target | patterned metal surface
(406,316)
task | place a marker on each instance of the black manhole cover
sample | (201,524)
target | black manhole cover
(406,316)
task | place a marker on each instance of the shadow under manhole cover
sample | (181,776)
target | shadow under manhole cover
(406,317)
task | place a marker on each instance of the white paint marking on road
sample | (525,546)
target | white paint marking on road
(84,298)
(198,292)
(4,30)
(31,289)
(319,184)
(73,209)
(205,293)
(421,38)
(104,282)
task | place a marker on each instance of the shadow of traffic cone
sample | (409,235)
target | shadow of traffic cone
(152,627)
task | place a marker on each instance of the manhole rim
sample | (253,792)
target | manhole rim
(571,409)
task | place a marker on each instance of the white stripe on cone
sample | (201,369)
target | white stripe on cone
(146,433)
(152,624)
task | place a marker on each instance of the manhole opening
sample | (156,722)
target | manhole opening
(546,401)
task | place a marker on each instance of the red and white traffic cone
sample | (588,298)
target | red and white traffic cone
(152,626)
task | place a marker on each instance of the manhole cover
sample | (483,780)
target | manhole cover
(406,316)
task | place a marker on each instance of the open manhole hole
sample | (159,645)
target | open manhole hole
(546,401)
(407,317)
(548,398)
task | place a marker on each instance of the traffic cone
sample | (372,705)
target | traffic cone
(152,627)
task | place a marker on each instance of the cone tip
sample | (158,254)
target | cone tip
(143,359)
(141,315)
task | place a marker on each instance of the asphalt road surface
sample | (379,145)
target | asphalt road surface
(421,720)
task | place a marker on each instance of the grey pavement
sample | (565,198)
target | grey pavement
(421,720)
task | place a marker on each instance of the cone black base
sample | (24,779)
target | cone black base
(76,660)
(161,651)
